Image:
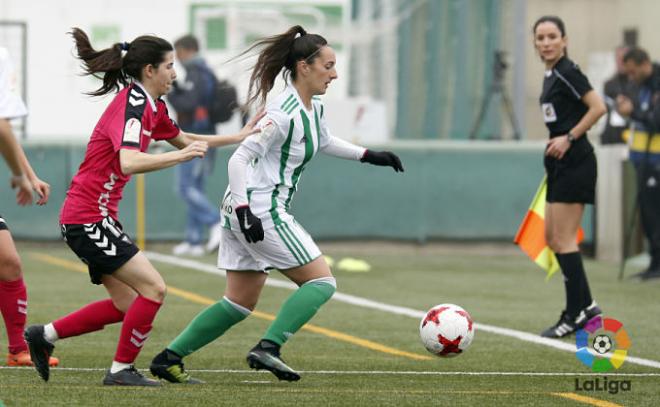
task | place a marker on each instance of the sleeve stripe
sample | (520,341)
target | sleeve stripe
(287,102)
(575,92)
(291,108)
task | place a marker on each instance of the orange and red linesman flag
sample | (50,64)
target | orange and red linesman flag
(531,233)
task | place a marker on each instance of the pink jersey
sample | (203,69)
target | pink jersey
(128,122)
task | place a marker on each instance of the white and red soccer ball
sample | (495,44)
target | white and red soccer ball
(446,330)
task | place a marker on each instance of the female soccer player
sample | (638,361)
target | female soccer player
(260,232)
(88,218)
(570,107)
(13,295)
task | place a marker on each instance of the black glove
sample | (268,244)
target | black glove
(250,225)
(382,158)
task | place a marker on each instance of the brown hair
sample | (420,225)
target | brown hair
(281,51)
(142,51)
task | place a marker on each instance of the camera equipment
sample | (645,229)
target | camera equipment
(497,88)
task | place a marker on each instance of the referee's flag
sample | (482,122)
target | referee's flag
(531,233)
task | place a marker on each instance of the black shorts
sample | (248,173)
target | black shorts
(573,178)
(103,246)
(3,224)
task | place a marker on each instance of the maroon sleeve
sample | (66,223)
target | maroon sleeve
(165,127)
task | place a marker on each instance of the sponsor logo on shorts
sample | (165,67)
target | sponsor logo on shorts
(100,240)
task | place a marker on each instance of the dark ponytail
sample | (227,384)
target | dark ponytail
(280,51)
(142,51)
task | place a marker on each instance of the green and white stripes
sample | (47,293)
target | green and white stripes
(286,147)
(293,243)
(289,104)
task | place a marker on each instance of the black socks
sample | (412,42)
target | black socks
(578,295)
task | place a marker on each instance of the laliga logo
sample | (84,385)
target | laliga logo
(609,341)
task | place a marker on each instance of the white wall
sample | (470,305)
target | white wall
(59,110)
(58,107)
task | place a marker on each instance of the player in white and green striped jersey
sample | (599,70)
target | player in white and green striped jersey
(260,234)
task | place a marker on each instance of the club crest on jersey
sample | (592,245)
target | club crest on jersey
(132,130)
(549,114)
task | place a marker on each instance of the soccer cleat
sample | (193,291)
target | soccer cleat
(565,326)
(23,359)
(586,314)
(269,358)
(171,369)
(40,349)
(129,377)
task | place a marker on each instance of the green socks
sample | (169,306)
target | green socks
(299,308)
(215,320)
(207,326)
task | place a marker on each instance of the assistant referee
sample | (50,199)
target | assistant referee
(570,107)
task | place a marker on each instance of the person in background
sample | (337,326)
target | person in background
(618,84)
(643,110)
(13,293)
(570,106)
(191,100)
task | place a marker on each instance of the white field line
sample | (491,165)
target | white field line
(394,309)
(368,372)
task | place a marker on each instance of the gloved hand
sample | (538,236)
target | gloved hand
(382,158)
(250,225)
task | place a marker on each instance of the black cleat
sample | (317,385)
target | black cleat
(564,327)
(40,349)
(129,377)
(168,365)
(268,357)
(586,314)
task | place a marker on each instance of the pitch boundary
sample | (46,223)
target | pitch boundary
(394,309)
(367,372)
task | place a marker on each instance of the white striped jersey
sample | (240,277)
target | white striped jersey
(291,136)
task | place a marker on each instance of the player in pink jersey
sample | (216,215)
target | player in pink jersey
(90,226)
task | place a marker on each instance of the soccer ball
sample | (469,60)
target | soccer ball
(602,344)
(446,330)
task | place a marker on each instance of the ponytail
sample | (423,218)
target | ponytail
(280,51)
(117,69)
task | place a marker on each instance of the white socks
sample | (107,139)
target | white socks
(50,333)
(117,366)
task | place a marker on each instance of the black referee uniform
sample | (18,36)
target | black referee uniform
(571,179)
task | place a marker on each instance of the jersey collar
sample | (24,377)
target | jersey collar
(297,96)
(149,98)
